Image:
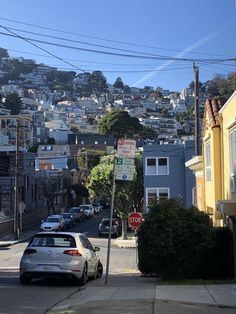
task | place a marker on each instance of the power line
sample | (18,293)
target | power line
(147,56)
(103,39)
(29,42)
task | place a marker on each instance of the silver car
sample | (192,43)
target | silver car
(60,255)
(87,209)
(53,223)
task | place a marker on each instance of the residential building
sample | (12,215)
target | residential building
(165,175)
(217,163)
(8,127)
(166,127)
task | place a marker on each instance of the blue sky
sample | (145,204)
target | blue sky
(136,39)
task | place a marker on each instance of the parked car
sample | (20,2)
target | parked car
(104,227)
(53,223)
(87,209)
(60,255)
(69,219)
(78,213)
(97,208)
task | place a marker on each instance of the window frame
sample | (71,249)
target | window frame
(208,161)
(157,171)
(157,191)
(232,159)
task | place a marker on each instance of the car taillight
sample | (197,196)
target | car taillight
(29,251)
(72,252)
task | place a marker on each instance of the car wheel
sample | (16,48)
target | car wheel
(84,278)
(25,279)
(99,270)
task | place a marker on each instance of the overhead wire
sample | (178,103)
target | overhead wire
(137,55)
(103,39)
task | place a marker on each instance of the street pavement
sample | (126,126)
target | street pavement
(134,293)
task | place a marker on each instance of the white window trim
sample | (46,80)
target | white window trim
(208,159)
(157,158)
(232,156)
(157,192)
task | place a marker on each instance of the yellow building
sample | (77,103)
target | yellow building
(227,118)
(215,170)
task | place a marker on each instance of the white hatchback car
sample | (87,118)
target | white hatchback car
(60,255)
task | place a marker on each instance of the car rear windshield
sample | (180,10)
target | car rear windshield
(50,240)
(52,219)
(107,223)
(84,206)
(74,210)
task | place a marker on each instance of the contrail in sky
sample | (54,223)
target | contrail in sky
(184,52)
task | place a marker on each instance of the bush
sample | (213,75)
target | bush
(174,242)
(220,256)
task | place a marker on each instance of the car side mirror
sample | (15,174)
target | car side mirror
(96,248)
(42,221)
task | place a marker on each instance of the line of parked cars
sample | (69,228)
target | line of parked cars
(66,220)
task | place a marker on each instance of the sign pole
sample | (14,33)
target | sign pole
(110,222)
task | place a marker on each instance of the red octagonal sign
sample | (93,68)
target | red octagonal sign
(135,220)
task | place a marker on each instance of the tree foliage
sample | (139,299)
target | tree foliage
(101,179)
(61,80)
(14,103)
(119,83)
(221,86)
(98,82)
(120,124)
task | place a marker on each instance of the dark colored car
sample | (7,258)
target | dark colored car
(104,227)
(78,213)
(69,219)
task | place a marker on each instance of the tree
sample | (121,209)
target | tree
(221,86)
(101,179)
(3,53)
(200,86)
(14,103)
(118,83)
(88,159)
(126,89)
(120,124)
(61,80)
(98,82)
(128,195)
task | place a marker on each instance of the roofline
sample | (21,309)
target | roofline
(227,102)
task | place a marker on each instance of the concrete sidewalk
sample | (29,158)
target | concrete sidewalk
(132,293)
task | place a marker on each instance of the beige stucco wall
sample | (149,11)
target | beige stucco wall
(213,189)
(228,123)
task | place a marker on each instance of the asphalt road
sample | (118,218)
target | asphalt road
(41,295)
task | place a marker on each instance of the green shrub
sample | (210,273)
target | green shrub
(173,240)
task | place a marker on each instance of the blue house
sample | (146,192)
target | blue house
(165,174)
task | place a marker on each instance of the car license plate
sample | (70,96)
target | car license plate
(107,228)
(48,267)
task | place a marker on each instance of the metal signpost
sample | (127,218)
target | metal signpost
(123,168)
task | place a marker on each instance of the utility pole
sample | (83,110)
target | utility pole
(196,109)
(16,189)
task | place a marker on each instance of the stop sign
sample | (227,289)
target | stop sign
(135,220)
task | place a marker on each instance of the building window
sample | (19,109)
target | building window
(157,166)
(154,194)
(232,161)
(208,162)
